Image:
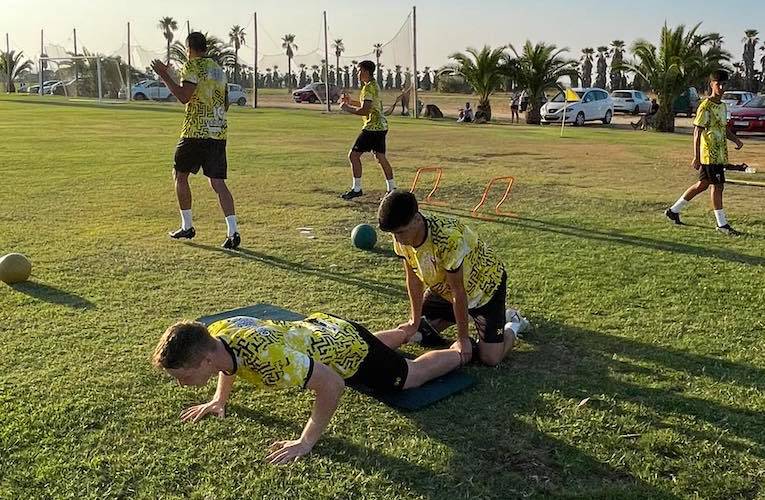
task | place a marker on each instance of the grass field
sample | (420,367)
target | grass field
(660,327)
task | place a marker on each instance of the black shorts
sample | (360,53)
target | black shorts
(209,154)
(383,370)
(714,174)
(370,140)
(489,319)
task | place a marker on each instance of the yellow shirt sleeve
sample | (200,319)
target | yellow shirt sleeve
(702,116)
(454,251)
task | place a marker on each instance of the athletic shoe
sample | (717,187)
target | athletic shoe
(232,242)
(514,316)
(673,216)
(634,125)
(351,194)
(726,229)
(183,234)
(430,336)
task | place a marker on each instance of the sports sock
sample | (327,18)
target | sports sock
(721,219)
(515,327)
(679,205)
(186,219)
(390,184)
(357,183)
(231,224)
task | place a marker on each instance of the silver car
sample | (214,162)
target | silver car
(630,101)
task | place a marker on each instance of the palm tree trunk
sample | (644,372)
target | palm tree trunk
(484,109)
(534,112)
(236,65)
(289,74)
(665,118)
(168,52)
(337,76)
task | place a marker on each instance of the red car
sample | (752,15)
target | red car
(750,117)
(316,92)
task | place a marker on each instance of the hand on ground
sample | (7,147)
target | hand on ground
(196,413)
(284,452)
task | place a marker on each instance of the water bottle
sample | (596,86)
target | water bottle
(750,170)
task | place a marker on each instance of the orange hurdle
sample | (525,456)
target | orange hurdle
(428,200)
(510,181)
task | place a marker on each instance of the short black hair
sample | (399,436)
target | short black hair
(368,66)
(719,75)
(197,41)
(397,210)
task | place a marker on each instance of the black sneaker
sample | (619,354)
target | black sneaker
(430,336)
(673,216)
(351,194)
(232,242)
(726,229)
(183,234)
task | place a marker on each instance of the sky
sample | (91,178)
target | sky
(444,26)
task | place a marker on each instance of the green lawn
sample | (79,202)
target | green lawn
(660,327)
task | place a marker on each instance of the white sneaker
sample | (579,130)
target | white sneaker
(514,316)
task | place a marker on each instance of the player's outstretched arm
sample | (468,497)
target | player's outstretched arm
(328,387)
(181,92)
(460,306)
(216,406)
(734,138)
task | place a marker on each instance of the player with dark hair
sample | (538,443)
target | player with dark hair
(204,91)
(374,132)
(464,278)
(710,153)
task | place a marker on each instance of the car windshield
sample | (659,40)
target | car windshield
(757,102)
(560,96)
(622,95)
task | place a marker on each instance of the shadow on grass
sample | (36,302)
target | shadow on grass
(619,238)
(389,290)
(52,295)
(158,107)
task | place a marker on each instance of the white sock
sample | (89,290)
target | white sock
(679,205)
(721,219)
(390,184)
(186,219)
(231,224)
(512,327)
(357,183)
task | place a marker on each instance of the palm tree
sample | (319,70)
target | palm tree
(389,79)
(168,25)
(378,53)
(716,39)
(426,82)
(750,50)
(600,80)
(683,57)
(355,74)
(574,77)
(337,44)
(617,59)
(762,63)
(346,77)
(237,38)
(315,76)
(12,66)
(484,71)
(288,44)
(539,68)
(397,81)
(587,60)
(303,77)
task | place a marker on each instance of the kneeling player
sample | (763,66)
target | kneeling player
(320,353)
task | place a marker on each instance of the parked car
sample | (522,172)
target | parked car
(35,89)
(150,89)
(236,95)
(630,101)
(736,98)
(593,104)
(316,92)
(687,103)
(750,117)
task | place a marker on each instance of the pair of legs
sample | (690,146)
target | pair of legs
(430,365)
(183,192)
(644,122)
(709,175)
(514,115)
(355,158)
(701,186)
(369,141)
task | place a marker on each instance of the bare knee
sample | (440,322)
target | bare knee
(380,157)
(354,156)
(180,177)
(491,354)
(218,185)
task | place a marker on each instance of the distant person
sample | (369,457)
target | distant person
(204,91)
(466,114)
(524,100)
(374,131)
(647,120)
(710,153)
(515,105)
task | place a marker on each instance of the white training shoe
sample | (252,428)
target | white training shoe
(514,316)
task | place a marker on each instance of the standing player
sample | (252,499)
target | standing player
(374,132)
(204,91)
(710,153)
(463,276)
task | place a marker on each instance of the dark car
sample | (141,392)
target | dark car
(750,117)
(316,92)
(687,103)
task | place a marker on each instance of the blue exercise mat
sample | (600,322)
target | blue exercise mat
(410,399)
